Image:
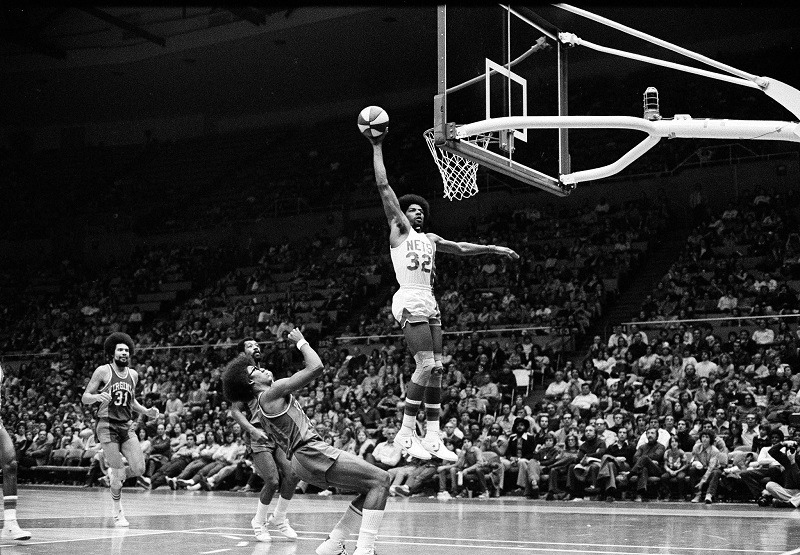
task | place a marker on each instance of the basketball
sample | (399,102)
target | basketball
(373,122)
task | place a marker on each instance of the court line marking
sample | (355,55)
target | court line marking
(536,549)
(792,552)
(526,542)
(95,538)
(215,551)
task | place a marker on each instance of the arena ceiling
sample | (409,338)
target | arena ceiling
(72,65)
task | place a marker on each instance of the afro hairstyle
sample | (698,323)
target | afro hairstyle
(111,342)
(407,200)
(236,386)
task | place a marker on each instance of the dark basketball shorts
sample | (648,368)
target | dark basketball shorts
(312,460)
(109,431)
(259,445)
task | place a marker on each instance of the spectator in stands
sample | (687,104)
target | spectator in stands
(763,335)
(704,469)
(585,470)
(556,389)
(39,451)
(786,492)
(618,458)
(676,465)
(180,459)
(647,463)
(470,463)
(387,454)
(517,458)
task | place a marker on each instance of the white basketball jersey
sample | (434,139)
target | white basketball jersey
(413,261)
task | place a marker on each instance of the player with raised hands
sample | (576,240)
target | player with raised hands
(414,306)
(313,460)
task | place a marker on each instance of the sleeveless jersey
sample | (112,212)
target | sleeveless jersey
(255,418)
(413,261)
(121,390)
(291,428)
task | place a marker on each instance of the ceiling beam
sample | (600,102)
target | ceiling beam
(122,24)
(252,15)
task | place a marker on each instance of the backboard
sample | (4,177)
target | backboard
(502,100)
(497,62)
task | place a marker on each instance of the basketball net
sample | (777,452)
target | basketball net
(459,175)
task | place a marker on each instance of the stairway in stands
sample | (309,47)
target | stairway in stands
(641,283)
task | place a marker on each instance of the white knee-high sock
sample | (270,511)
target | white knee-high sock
(370,524)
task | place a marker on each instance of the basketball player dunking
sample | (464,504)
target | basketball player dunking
(415,308)
(313,460)
(8,458)
(268,457)
(113,386)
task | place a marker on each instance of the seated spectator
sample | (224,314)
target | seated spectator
(705,469)
(786,492)
(470,463)
(387,454)
(647,463)
(618,458)
(519,453)
(556,389)
(676,465)
(765,468)
(587,465)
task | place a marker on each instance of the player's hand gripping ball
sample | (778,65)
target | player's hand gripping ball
(373,122)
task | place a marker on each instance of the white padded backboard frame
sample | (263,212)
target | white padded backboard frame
(458,138)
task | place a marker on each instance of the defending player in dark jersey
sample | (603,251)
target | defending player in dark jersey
(113,386)
(312,459)
(414,306)
(268,458)
(8,458)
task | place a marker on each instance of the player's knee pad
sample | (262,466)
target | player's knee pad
(425,364)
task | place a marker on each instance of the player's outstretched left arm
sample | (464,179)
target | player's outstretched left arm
(152,412)
(463,248)
(313,370)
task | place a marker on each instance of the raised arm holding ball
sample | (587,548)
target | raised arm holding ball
(413,305)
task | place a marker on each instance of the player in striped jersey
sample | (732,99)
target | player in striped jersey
(113,386)
(415,308)
(312,459)
(8,458)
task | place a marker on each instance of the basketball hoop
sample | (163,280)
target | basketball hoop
(459,175)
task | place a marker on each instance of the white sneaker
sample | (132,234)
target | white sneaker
(120,521)
(325,493)
(485,495)
(364,551)
(194,487)
(435,447)
(283,527)
(257,526)
(412,445)
(444,495)
(12,531)
(264,536)
(400,490)
(331,547)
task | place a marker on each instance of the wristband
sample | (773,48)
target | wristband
(301,343)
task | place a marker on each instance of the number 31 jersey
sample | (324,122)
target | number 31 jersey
(121,390)
(413,261)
